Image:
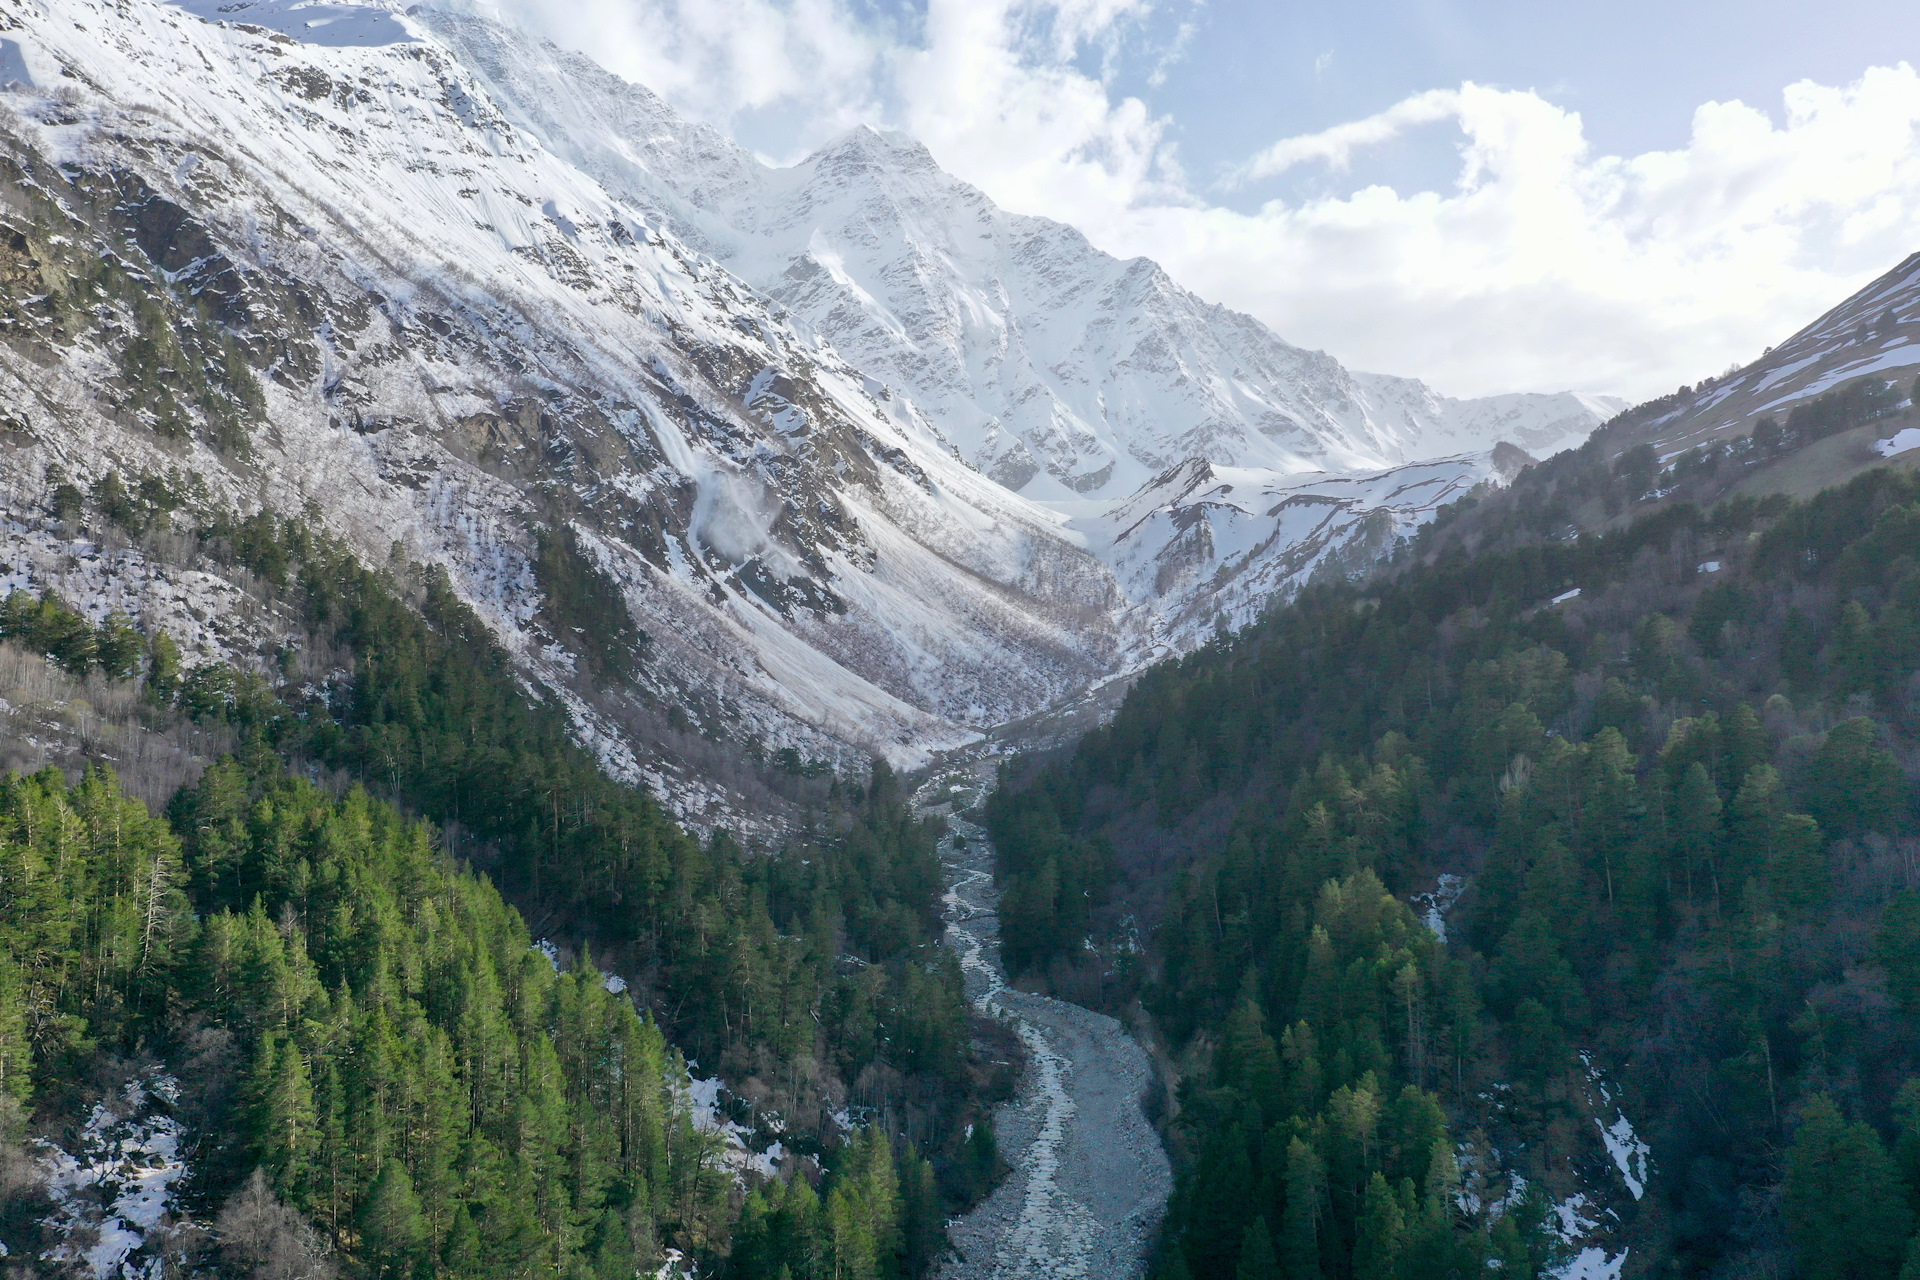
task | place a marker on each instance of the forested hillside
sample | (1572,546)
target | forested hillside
(326,942)
(1672,768)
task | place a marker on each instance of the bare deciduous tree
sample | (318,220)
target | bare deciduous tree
(262,1238)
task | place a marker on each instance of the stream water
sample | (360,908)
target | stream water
(1089,1177)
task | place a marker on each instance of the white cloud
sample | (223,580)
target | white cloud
(1544,266)
(1336,146)
(1547,265)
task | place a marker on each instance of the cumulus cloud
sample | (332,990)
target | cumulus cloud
(1548,265)
(1543,266)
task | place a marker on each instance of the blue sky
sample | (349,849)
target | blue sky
(1250,72)
(1490,195)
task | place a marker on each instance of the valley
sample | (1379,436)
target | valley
(579,704)
(1088,1179)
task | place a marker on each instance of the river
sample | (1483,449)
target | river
(1089,1177)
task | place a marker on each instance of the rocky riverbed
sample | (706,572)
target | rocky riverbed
(1090,1179)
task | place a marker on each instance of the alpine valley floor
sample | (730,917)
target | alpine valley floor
(1090,1179)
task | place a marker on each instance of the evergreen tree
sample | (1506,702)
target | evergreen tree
(392,1224)
(1854,785)
(1306,1181)
(1378,1243)
(1257,1258)
(1845,1207)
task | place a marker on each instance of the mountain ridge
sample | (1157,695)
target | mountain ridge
(920,279)
(344,279)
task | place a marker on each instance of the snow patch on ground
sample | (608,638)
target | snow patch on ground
(1433,907)
(738,1154)
(1573,1217)
(339,26)
(1630,1154)
(1592,1264)
(118,1187)
(1903,440)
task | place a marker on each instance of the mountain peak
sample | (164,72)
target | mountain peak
(884,147)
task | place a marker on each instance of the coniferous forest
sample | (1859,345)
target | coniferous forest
(328,939)
(1669,772)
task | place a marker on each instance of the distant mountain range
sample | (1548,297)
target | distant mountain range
(872,463)
(1055,368)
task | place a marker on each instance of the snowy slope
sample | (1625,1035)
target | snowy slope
(465,339)
(1853,340)
(489,289)
(1053,367)
(1204,546)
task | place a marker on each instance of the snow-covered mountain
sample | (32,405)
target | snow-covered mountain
(1055,368)
(462,340)
(450,290)
(1204,546)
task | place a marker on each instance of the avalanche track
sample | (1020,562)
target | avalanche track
(1090,1179)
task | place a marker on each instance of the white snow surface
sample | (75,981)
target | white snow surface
(310,21)
(814,566)
(1435,905)
(1203,544)
(117,1186)
(1874,332)
(1592,1263)
(1046,363)
(1901,441)
(1630,1154)
(737,1153)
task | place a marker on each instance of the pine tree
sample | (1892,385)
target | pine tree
(1696,823)
(922,1225)
(1906,1146)
(1306,1196)
(856,1255)
(1845,1206)
(392,1224)
(1854,785)
(461,1254)
(981,1160)
(1248,1059)
(1896,946)
(1257,1258)
(284,1121)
